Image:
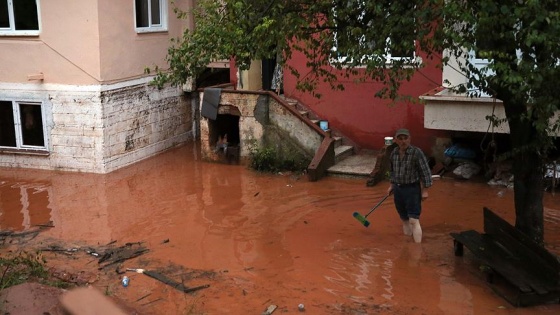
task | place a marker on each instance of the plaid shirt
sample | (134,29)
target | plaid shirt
(412,168)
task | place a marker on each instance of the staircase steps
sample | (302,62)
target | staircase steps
(347,162)
(357,165)
(342,152)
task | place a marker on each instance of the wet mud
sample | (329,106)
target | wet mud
(259,239)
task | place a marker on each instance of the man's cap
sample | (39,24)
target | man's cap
(402,132)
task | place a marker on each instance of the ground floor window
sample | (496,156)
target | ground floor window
(22,125)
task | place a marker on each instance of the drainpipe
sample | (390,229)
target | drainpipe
(190,20)
(195,100)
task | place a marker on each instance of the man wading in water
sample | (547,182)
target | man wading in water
(410,179)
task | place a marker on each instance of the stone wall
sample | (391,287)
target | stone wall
(259,114)
(141,121)
(252,111)
(99,129)
(76,133)
(307,138)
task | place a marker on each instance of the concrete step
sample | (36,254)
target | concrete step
(292,102)
(337,141)
(357,165)
(341,152)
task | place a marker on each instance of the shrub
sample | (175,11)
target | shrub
(267,159)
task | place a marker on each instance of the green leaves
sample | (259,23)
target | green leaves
(357,40)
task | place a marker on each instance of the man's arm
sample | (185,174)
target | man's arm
(425,174)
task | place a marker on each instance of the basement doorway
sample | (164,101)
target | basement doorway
(223,132)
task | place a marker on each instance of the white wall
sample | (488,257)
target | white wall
(461,113)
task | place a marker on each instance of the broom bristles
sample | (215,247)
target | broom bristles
(361,218)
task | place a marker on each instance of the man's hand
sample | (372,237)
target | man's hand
(390,189)
(424,194)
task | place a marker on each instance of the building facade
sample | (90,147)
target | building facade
(74,91)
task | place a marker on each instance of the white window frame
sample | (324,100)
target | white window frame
(11,31)
(480,64)
(27,189)
(18,127)
(389,59)
(161,27)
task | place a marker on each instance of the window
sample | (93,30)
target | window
(19,17)
(151,15)
(353,20)
(479,63)
(22,125)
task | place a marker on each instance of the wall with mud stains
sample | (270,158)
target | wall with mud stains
(141,121)
(102,128)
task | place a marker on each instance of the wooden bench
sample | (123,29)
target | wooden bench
(518,269)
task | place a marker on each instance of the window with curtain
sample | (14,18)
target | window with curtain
(151,15)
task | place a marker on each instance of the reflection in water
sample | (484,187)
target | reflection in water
(365,261)
(551,216)
(386,276)
(360,271)
(552,229)
(454,296)
(24,204)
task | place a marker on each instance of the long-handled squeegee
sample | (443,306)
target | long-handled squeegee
(363,219)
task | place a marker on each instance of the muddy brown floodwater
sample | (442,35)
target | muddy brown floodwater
(261,239)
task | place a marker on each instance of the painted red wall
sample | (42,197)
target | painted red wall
(359,115)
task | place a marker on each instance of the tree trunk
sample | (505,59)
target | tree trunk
(527,169)
(528,195)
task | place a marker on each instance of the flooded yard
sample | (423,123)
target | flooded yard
(262,239)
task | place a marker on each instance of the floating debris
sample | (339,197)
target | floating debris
(270,309)
(176,285)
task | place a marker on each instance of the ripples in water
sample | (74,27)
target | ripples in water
(364,271)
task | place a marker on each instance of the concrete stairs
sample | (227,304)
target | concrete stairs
(352,164)
(348,161)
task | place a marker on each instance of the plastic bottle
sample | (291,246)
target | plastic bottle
(125,281)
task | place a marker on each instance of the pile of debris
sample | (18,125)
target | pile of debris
(463,164)
(109,256)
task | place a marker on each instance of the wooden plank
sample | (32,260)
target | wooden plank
(531,272)
(491,220)
(539,275)
(530,256)
(535,299)
(176,285)
(493,256)
(502,263)
(269,310)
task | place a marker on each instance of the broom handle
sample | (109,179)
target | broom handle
(377,205)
